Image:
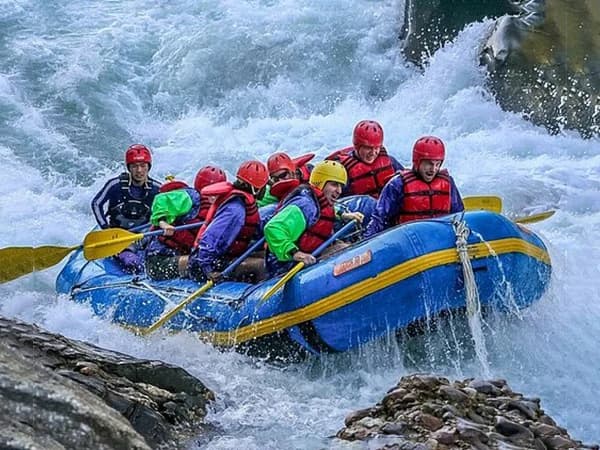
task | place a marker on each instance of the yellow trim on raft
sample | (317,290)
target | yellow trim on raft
(369,286)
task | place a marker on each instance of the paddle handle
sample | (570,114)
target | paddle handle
(205,287)
(298,267)
(243,256)
(341,232)
(187,226)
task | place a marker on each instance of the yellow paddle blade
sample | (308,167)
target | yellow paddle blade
(165,317)
(18,261)
(486,202)
(104,243)
(267,295)
(535,217)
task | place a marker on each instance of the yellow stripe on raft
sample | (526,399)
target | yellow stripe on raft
(371,285)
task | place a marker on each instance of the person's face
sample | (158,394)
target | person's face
(332,190)
(139,172)
(282,174)
(367,153)
(429,168)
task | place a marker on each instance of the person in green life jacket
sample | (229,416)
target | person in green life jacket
(178,204)
(305,218)
(282,167)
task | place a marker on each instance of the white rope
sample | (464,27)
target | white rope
(472,294)
(472,300)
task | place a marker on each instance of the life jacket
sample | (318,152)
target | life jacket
(363,178)
(322,229)
(183,240)
(130,212)
(424,200)
(226,192)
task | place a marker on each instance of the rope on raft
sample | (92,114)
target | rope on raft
(472,301)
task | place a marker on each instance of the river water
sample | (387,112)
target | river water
(218,82)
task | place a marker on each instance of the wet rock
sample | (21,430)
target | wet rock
(59,393)
(476,414)
(454,394)
(357,415)
(512,429)
(485,387)
(542,55)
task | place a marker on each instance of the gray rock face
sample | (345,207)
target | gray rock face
(58,393)
(545,63)
(463,414)
(543,56)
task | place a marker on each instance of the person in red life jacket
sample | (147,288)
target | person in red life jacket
(305,218)
(178,204)
(367,162)
(282,167)
(231,224)
(421,193)
(124,202)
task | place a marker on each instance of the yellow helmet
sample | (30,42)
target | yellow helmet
(328,171)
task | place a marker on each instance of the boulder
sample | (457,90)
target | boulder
(60,393)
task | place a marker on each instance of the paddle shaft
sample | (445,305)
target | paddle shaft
(298,267)
(205,287)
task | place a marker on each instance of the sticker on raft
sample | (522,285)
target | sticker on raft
(351,264)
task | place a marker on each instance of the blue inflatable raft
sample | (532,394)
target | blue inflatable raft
(374,287)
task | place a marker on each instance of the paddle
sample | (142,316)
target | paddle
(535,217)
(104,243)
(205,287)
(487,202)
(298,267)
(18,261)
(494,203)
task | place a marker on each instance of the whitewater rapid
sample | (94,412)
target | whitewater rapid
(222,81)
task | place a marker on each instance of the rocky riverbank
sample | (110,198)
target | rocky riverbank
(56,393)
(425,412)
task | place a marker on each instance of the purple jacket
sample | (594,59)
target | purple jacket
(218,237)
(390,203)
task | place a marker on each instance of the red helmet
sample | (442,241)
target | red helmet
(138,153)
(428,147)
(254,173)
(208,175)
(280,161)
(367,132)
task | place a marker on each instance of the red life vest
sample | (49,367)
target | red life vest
(363,178)
(227,192)
(183,240)
(205,204)
(424,200)
(322,229)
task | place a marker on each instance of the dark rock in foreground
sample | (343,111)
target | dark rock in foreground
(426,412)
(543,56)
(56,393)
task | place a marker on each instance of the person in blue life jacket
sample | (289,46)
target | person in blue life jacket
(282,167)
(367,162)
(178,204)
(305,219)
(232,223)
(423,192)
(125,201)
